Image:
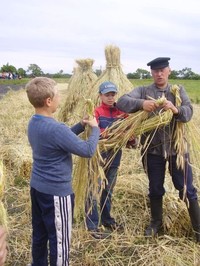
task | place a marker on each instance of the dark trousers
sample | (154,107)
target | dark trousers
(52,224)
(155,166)
(92,215)
(106,197)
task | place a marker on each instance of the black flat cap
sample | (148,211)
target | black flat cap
(160,62)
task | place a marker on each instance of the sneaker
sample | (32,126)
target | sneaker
(98,234)
(114,226)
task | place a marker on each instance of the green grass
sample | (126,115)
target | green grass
(191,86)
(13,81)
(130,205)
(25,80)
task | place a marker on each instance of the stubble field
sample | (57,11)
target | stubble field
(176,247)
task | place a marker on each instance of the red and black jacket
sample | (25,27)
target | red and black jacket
(105,116)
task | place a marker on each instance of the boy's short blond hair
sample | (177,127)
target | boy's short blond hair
(39,89)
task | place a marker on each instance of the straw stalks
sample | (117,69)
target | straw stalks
(88,173)
(134,125)
(130,205)
(113,73)
(3,212)
(79,85)
(179,134)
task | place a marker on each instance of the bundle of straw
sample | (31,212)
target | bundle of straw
(179,135)
(80,82)
(175,217)
(139,123)
(193,138)
(186,137)
(135,125)
(17,159)
(113,73)
(88,173)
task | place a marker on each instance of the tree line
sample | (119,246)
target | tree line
(34,70)
(185,73)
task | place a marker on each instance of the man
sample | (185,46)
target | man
(161,148)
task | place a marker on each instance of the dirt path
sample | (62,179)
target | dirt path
(5,88)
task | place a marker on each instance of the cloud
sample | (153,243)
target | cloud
(55,34)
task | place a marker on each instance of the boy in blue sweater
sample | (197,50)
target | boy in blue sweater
(52,198)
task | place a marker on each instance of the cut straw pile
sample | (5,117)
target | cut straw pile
(18,159)
(79,85)
(113,73)
(131,206)
(88,173)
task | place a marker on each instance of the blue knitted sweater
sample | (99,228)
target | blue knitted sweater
(53,144)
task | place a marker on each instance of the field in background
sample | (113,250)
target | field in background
(192,86)
(130,203)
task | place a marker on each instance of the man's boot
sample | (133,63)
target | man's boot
(156,217)
(194,213)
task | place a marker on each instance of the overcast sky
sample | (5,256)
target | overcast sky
(54,33)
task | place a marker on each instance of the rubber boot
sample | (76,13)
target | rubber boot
(194,213)
(156,217)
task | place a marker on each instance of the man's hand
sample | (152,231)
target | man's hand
(169,105)
(149,105)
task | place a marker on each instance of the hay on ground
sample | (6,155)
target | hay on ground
(130,205)
(17,158)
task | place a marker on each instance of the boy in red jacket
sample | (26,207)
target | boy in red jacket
(105,114)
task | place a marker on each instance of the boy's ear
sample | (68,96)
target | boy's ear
(48,101)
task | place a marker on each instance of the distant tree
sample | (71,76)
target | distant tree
(98,72)
(60,74)
(196,76)
(186,73)
(139,74)
(8,68)
(48,75)
(21,72)
(174,74)
(144,74)
(132,76)
(34,70)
